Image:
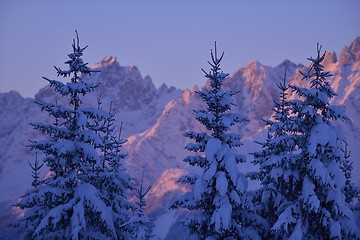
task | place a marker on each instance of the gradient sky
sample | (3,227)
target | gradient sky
(168,40)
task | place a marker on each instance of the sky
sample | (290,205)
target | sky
(166,39)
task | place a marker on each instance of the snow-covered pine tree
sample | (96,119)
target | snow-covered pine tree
(350,190)
(218,200)
(315,206)
(142,224)
(113,181)
(278,165)
(69,204)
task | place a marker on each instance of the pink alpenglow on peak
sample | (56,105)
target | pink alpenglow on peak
(105,62)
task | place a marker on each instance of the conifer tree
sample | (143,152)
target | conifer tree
(143,225)
(351,192)
(303,171)
(218,201)
(113,181)
(278,165)
(70,204)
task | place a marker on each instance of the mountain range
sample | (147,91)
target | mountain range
(154,119)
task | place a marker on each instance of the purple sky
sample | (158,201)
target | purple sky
(168,40)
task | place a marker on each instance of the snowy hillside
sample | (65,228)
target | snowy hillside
(154,120)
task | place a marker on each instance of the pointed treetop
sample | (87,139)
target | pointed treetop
(215,59)
(78,51)
(283,87)
(215,64)
(141,193)
(317,70)
(76,64)
(216,77)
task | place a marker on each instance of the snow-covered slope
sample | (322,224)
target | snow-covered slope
(155,119)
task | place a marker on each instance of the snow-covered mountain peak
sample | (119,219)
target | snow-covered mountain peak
(111,72)
(253,64)
(255,67)
(287,64)
(330,58)
(249,79)
(123,85)
(105,62)
(350,54)
(252,67)
(9,99)
(355,47)
(162,88)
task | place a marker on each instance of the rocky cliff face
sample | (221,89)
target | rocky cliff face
(154,119)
